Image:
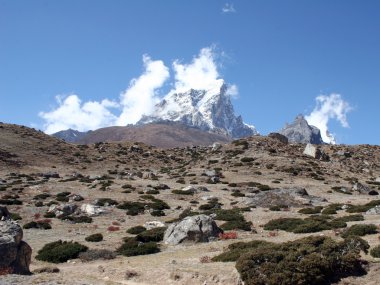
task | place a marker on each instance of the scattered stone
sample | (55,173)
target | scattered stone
(345,154)
(62,210)
(200,228)
(292,197)
(210,173)
(75,198)
(216,146)
(362,189)
(154,224)
(190,188)
(91,210)
(15,253)
(279,137)
(377,179)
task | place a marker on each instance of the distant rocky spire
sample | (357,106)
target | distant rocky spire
(301,132)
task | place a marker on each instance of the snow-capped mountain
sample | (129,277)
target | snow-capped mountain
(70,135)
(208,110)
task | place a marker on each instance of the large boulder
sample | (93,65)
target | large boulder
(200,228)
(315,152)
(15,254)
(292,197)
(62,210)
(91,210)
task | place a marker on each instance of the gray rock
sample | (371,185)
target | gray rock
(15,253)
(62,210)
(289,197)
(279,137)
(154,224)
(362,189)
(91,210)
(200,228)
(315,152)
(377,179)
(301,132)
(373,211)
(216,146)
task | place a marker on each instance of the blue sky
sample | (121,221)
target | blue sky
(281,55)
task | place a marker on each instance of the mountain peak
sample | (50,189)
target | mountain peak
(301,132)
(208,110)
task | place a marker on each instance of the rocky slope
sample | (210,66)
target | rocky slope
(243,185)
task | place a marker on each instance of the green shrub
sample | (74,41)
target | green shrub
(152,192)
(155,234)
(37,225)
(42,196)
(60,251)
(263,187)
(236,225)
(313,260)
(49,215)
(106,201)
(9,202)
(133,208)
(312,224)
(375,252)
(15,216)
(350,218)
(310,211)
(235,250)
(157,213)
(132,247)
(96,254)
(363,208)
(237,194)
(78,220)
(360,230)
(332,209)
(183,192)
(247,159)
(136,230)
(94,238)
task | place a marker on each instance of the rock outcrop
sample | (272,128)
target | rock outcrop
(292,197)
(200,228)
(15,254)
(301,132)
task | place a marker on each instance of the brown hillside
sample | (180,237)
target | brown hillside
(164,135)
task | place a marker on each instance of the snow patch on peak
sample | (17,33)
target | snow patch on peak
(209,110)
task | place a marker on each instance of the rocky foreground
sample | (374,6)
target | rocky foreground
(128,213)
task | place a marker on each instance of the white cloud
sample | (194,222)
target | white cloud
(140,97)
(201,73)
(228,8)
(329,107)
(71,113)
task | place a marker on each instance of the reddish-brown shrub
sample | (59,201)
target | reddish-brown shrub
(228,235)
(113,228)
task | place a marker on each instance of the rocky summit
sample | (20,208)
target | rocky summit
(301,132)
(209,110)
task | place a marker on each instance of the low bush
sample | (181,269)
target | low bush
(152,192)
(312,224)
(155,234)
(183,192)
(106,202)
(313,260)
(375,252)
(60,251)
(94,238)
(157,213)
(363,208)
(237,225)
(133,208)
(15,216)
(132,247)
(96,254)
(136,230)
(360,230)
(43,225)
(310,211)
(78,219)
(332,209)
(237,194)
